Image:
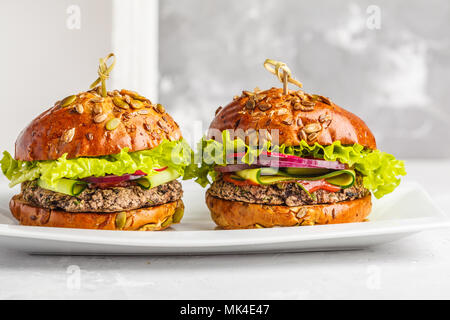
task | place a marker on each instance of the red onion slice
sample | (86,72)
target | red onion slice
(115,179)
(304,163)
(234,167)
(279,160)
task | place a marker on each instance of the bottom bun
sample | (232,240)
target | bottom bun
(241,215)
(144,219)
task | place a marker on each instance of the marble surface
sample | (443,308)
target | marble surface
(415,267)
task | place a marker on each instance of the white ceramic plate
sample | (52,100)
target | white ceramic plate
(408,210)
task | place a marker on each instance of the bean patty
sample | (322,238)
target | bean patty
(288,194)
(102,200)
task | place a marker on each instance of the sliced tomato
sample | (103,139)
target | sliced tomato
(310,186)
(229,177)
(315,185)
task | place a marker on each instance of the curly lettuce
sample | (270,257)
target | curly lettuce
(381,171)
(173,154)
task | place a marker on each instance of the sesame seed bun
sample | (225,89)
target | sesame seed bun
(297,115)
(82,126)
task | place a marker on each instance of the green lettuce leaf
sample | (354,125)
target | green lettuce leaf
(380,170)
(173,154)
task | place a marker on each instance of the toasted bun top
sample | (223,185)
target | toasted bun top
(82,126)
(297,115)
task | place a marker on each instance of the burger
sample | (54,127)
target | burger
(282,157)
(99,160)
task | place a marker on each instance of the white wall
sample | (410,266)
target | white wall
(135,43)
(42,60)
(44,56)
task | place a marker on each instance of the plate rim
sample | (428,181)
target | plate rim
(283,235)
(231,238)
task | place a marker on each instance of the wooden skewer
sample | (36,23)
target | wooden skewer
(282,72)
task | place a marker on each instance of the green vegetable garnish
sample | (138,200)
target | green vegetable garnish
(176,155)
(381,171)
(158,179)
(66,186)
(264,176)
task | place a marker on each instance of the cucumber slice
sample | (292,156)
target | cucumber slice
(66,186)
(158,179)
(249,174)
(342,178)
(305,171)
(274,179)
(263,175)
(270,172)
(236,177)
